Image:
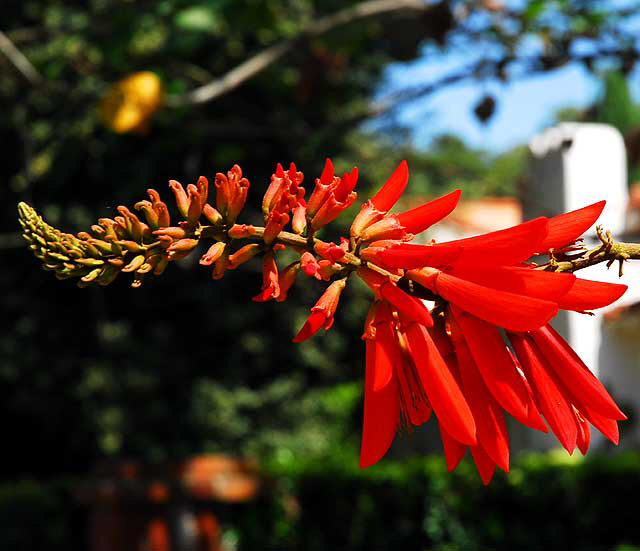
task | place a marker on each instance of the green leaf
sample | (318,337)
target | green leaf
(198,19)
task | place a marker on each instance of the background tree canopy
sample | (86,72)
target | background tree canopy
(183,364)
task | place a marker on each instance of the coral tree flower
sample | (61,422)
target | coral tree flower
(454,361)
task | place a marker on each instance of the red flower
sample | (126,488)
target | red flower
(322,312)
(405,379)
(454,361)
(376,207)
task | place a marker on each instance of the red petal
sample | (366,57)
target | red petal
(534,420)
(608,427)
(419,219)
(441,339)
(566,228)
(508,310)
(453,450)
(574,374)
(589,295)
(486,467)
(381,414)
(502,247)
(410,256)
(490,424)
(550,397)
(314,322)
(519,280)
(388,353)
(391,191)
(584,433)
(494,363)
(442,390)
(327,172)
(408,306)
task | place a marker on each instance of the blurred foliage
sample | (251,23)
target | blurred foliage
(549,501)
(616,106)
(448,164)
(184,364)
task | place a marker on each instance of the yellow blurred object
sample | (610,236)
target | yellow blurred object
(130,102)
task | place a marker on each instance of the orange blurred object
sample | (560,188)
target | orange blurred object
(129,103)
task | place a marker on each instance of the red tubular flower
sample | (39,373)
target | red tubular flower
(570,369)
(565,228)
(334,198)
(443,391)
(406,224)
(409,256)
(270,286)
(410,307)
(329,251)
(284,196)
(286,279)
(588,295)
(400,383)
(323,311)
(506,309)
(549,397)
(376,207)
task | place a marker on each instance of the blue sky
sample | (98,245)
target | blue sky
(524,107)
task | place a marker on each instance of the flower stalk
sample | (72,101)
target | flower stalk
(447,360)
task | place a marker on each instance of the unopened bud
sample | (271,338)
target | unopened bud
(241,231)
(150,214)
(309,264)
(286,279)
(183,245)
(299,221)
(195,205)
(182,201)
(203,189)
(220,266)
(214,252)
(211,214)
(323,311)
(174,232)
(243,254)
(134,264)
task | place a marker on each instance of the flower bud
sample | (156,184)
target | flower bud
(323,311)
(211,214)
(182,200)
(195,204)
(243,254)
(270,286)
(241,231)
(174,232)
(213,254)
(183,245)
(134,264)
(309,264)
(286,279)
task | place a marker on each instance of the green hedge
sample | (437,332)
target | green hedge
(549,501)
(546,503)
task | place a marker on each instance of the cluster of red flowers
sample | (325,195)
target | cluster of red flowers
(483,347)
(455,360)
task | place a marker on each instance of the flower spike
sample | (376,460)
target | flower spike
(457,330)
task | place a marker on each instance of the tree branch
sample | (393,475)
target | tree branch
(257,63)
(19,61)
(609,251)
